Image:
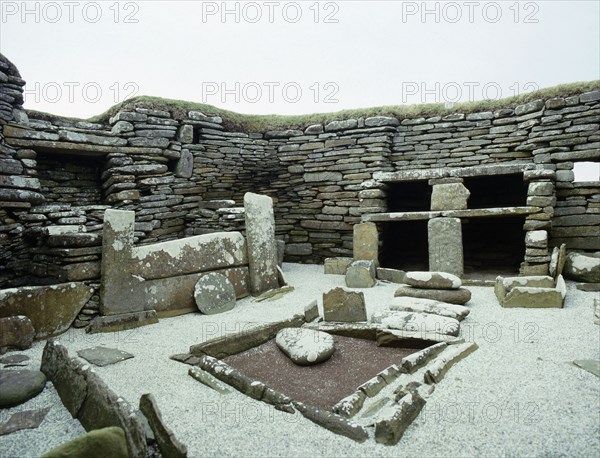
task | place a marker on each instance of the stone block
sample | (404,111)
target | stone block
(361,274)
(16,332)
(337,266)
(450,196)
(51,309)
(365,242)
(445,245)
(262,247)
(340,304)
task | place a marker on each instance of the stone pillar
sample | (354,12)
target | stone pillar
(262,246)
(117,248)
(365,243)
(445,246)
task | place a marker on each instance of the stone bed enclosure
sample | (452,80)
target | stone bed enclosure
(509,169)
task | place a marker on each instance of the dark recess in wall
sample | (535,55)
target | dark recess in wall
(409,196)
(495,245)
(404,245)
(497,191)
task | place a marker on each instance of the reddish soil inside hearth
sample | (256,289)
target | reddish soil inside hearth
(354,362)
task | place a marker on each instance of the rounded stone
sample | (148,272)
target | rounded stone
(214,293)
(16,387)
(305,347)
(583,267)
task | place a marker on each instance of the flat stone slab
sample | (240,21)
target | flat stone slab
(51,309)
(109,441)
(18,386)
(214,293)
(445,245)
(26,419)
(413,304)
(340,304)
(417,322)
(14,359)
(590,365)
(432,280)
(458,296)
(103,356)
(305,347)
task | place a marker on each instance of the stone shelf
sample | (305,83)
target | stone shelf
(468,213)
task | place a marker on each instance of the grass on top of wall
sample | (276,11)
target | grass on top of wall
(260,123)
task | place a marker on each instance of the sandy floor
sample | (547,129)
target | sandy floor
(518,395)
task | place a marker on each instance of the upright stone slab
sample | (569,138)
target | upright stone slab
(449,196)
(117,248)
(445,245)
(366,242)
(262,247)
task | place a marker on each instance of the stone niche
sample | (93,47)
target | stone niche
(465,220)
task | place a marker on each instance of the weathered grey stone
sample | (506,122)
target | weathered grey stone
(99,442)
(445,245)
(26,419)
(590,365)
(432,280)
(16,332)
(262,248)
(333,422)
(451,355)
(206,379)
(51,309)
(186,134)
(540,188)
(582,267)
(311,311)
(18,386)
(102,356)
(15,359)
(214,293)
(341,125)
(413,362)
(185,164)
(504,284)
(450,196)
(414,304)
(337,266)
(453,296)
(378,121)
(533,297)
(417,322)
(340,304)
(228,345)
(536,239)
(117,248)
(168,444)
(350,405)
(365,244)
(361,274)
(393,421)
(305,347)
(121,321)
(391,275)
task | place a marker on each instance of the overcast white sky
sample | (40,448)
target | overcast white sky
(80,57)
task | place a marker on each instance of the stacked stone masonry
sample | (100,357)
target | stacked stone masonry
(187,176)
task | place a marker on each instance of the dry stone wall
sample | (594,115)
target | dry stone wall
(186,175)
